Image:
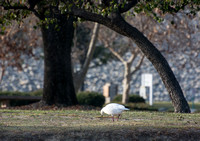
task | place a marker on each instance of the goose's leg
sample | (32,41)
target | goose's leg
(118,117)
(113,118)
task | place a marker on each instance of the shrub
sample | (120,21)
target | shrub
(136,99)
(16,93)
(90,98)
(38,92)
(132,98)
(140,107)
(117,98)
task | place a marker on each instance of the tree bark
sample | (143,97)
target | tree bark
(126,82)
(58,81)
(2,70)
(118,24)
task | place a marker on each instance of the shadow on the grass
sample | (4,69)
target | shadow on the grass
(37,133)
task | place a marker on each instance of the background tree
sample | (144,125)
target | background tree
(17,42)
(119,47)
(109,14)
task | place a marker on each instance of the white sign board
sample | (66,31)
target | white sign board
(147,82)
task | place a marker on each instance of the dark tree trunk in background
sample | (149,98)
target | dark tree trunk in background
(58,81)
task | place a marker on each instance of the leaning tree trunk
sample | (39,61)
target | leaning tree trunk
(156,58)
(58,80)
(80,76)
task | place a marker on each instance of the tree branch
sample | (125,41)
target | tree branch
(175,10)
(91,49)
(21,7)
(138,65)
(128,6)
(80,76)
(132,58)
(108,44)
(116,54)
(89,15)
(115,22)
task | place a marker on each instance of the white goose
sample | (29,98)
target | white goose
(113,109)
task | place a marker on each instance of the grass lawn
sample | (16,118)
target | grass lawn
(87,125)
(169,107)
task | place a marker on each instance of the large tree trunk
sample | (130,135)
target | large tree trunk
(161,65)
(58,80)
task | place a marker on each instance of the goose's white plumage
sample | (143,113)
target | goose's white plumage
(113,109)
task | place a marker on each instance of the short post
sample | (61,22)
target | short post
(5,103)
(109,91)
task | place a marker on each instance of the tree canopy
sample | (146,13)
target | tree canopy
(98,9)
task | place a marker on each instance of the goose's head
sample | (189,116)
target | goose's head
(102,112)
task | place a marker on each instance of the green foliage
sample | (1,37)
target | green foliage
(16,93)
(135,103)
(90,98)
(132,98)
(38,92)
(117,98)
(18,10)
(136,99)
(140,107)
(166,6)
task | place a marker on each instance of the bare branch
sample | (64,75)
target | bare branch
(132,58)
(138,65)
(108,44)
(116,54)
(80,75)
(91,47)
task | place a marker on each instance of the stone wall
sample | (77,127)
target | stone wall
(31,78)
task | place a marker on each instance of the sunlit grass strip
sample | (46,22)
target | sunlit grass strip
(75,119)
